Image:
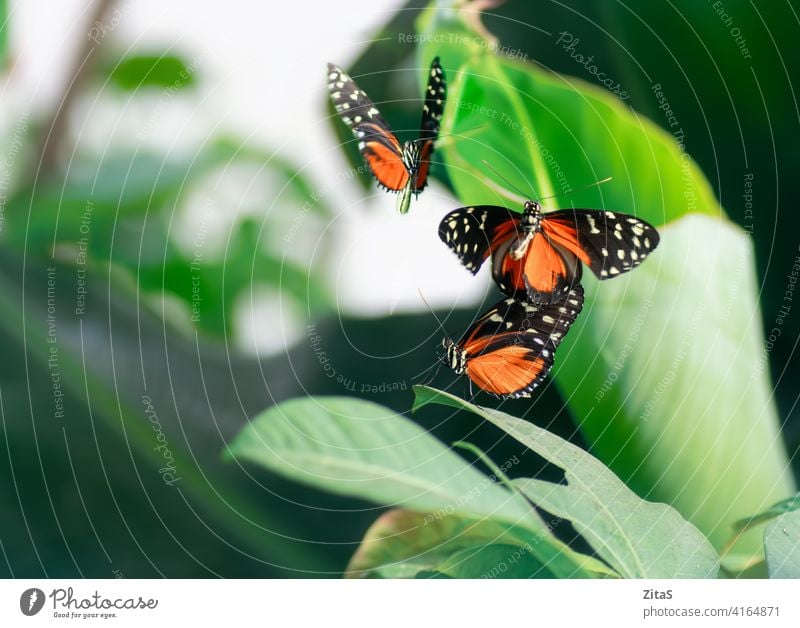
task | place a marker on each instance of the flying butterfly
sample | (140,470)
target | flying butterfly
(541,254)
(509,350)
(397,168)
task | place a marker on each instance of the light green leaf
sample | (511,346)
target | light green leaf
(637,538)
(360,449)
(665,369)
(782,546)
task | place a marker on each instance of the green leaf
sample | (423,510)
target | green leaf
(360,449)
(776,510)
(493,561)
(4,20)
(665,368)
(782,546)
(403,542)
(637,538)
(150,70)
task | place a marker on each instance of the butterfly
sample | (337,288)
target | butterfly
(397,168)
(509,350)
(541,255)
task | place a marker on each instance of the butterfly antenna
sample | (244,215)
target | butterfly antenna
(493,169)
(462,133)
(438,364)
(583,187)
(430,309)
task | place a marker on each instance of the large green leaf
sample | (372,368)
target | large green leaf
(664,369)
(360,449)
(637,538)
(782,546)
(403,542)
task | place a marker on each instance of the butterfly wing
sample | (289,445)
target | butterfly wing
(545,272)
(377,143)
(432,110)
(510,349)
(473,233)
(609,243)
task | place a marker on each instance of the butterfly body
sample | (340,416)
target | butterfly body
(510,349)
(541,255)
(397,167)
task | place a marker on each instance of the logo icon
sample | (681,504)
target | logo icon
(31,601)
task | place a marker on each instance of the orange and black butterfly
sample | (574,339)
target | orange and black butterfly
(397,168)
(540,255)
(509,350)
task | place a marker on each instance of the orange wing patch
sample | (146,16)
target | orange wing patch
(506,371)
(565,235)
(544,266)
(386,165)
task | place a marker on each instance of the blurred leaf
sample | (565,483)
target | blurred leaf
(664,368)
(120,210)
(776,510)
(637,538)
(402,542)
(782,546)
(4,28)
(357,448)
(494,560)
(165,70)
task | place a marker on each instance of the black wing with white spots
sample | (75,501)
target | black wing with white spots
(435,97)
(473,232)
(358,112)
(511,348)
(610,243)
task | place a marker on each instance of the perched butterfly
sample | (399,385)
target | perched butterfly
(540,254)
(397,168)
(509,350)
